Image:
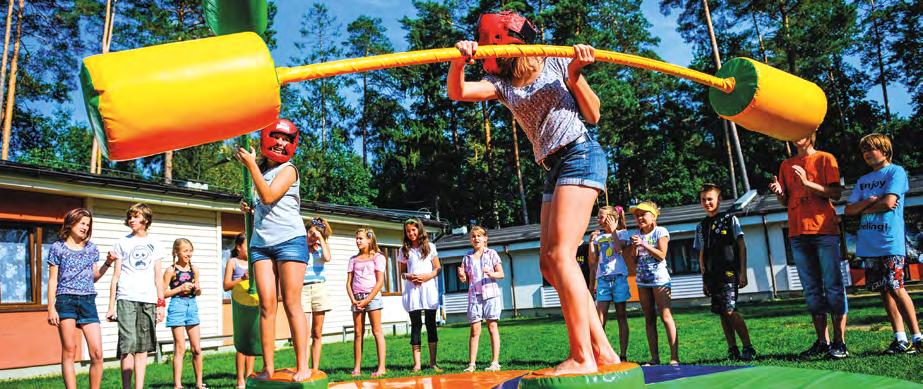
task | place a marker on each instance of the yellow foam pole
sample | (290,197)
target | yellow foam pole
(421,57)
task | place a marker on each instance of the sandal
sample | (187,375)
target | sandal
(356,373)
(437,369)
(377,374)
(493,367)
(471,368)
(674,363)
(652,362)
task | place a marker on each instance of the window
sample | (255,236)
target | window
(392,271)
(682,258)
(450,277)
(23,250)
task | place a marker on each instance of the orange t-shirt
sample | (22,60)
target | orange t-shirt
(809,213)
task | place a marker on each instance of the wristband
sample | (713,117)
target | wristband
(161,303)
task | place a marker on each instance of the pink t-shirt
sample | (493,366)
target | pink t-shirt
(364,272)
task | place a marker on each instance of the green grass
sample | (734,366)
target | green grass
(779,329)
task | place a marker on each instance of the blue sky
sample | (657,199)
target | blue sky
(672,48)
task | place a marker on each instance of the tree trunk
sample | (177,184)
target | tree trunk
(882,79)
(11,92)
(488,154)
(109,23)
(6,49)
(522,191)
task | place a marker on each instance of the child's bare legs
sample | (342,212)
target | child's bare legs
(195,346)
(179,354)
(244,366)
(317,338)
(416,356)
(291,276)
(741,328)
(662,296)
(494,329)
(602,309)
(140,360)
(94,339)
(127,366)
(358,338)
(728,328)
(473,340)
(67,331)
(559,246)
(375,318)
(646,297)
(621,315)
(265,275)
(433,347)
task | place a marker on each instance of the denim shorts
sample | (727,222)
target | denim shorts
(582,164)
(295,249)
(374,305)
(817,258)
(613,288)
(81,308)
(182,312)
(480,308)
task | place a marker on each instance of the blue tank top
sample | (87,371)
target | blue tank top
(280,221)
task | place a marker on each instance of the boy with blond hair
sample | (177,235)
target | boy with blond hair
(878,200)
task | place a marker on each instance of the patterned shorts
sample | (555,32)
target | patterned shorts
(723,298)
(884,273)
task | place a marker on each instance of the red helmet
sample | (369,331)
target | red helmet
(267,142)
(503,28)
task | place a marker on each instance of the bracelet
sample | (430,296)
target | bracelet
(161,303)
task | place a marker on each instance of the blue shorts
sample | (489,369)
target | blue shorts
(182,312)
(582,164)
(295,249)
(374,305)
(613,288)
(81,308)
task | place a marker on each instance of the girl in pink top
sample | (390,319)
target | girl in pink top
(365,275)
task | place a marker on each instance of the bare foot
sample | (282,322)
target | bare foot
(301,375)
(608,359)
(570,366)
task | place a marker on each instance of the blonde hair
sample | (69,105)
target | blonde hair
(478,230)
(140,209)
(617,212)
(177,245)
(373,241)
(518,67)
(876,141)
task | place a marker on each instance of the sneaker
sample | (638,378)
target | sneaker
(733,353)
(899,347)
(818,348)
(493,367)
(471,368)
(838,350)
(918,346)
(748,353)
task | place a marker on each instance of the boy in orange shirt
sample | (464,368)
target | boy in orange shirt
(810,182)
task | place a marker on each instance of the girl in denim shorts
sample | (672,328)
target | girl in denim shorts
(72,270)
(278,244)
(551,100)
(611,271)
(365,275)
(182,286)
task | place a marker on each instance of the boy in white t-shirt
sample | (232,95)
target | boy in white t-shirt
(136,294)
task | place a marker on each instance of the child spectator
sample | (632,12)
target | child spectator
(136,294)
(314,292)
(480,269)
(182,280)
(723,262)
(234,272)
(365,275)
(608,270)
(878,200)
(419,268)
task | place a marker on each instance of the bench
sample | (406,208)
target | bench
(158,356)
(349,329)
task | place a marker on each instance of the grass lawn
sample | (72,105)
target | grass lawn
(780,330)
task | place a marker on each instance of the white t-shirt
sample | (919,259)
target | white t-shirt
(425,295)
(136,277)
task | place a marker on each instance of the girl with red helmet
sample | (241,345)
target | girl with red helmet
(278,244)
(548,98)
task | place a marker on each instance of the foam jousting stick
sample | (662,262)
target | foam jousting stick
(149,100)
